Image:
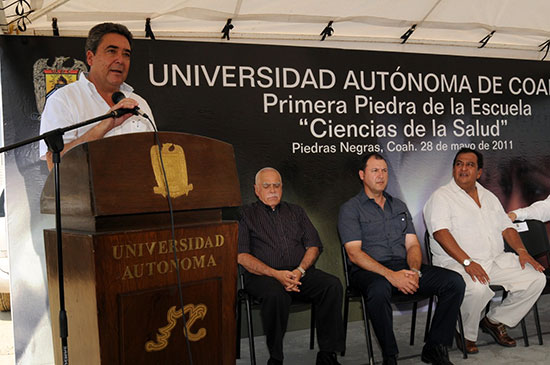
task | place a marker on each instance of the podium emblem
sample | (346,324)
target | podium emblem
(175,166)
(194,311)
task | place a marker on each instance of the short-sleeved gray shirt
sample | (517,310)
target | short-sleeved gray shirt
(381,231)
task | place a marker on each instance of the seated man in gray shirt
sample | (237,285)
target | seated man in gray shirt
(377,232)
(278,246)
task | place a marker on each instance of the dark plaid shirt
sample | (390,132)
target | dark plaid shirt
(278,237)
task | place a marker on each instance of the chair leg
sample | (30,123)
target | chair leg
(524,332)
(537,322)
(429,318)
(312,328)
(461,331)
(367,331)
(413,322)
(238,320)
(523,326)
(250,333)
(346,314)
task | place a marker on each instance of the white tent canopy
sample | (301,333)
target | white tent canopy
(519,25)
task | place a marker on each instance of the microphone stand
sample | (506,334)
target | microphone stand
(54,141)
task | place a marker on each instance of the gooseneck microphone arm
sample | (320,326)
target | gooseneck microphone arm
(60,131)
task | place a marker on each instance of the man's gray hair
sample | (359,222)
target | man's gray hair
(266,169)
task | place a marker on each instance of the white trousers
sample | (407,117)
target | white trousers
(523,285)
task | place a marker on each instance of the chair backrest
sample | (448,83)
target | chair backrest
(427,247)
(345,261)
(536,238)
(240,283)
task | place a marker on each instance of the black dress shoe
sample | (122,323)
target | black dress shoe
(326,358)
(390,360)
(435,354)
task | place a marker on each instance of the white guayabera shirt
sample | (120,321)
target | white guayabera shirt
(80,101)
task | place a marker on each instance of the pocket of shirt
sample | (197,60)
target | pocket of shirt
(372,230)
(399,224)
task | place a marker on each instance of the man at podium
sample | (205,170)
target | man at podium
(108,50)
(278,246)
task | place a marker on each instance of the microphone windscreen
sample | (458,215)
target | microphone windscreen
(117,96)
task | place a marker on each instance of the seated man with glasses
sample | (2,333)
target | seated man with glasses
(278,246)
(377,232)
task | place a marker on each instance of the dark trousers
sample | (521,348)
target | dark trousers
(447,285)
(318,287)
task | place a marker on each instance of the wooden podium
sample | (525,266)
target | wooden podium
(119,266)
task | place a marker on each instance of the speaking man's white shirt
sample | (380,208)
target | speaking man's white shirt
(80,101)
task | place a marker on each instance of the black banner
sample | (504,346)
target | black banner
(311,113)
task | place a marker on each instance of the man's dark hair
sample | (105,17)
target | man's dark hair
(367,156)
(469,150)
(98,31)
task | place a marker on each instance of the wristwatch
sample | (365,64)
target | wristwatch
(300,269)
(418,272)
(466,262)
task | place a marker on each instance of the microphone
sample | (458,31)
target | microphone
(116,98)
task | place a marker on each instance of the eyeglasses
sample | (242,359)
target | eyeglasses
(276,185)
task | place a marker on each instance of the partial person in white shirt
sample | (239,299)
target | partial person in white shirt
(467,224)
(108,51)
(538,210)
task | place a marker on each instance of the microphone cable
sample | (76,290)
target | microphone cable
(117,97)
(172,229)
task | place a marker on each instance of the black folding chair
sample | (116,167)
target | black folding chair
(497,288)
(535,240)
(459,319)
(494,288)
(251,303)
(353,293)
